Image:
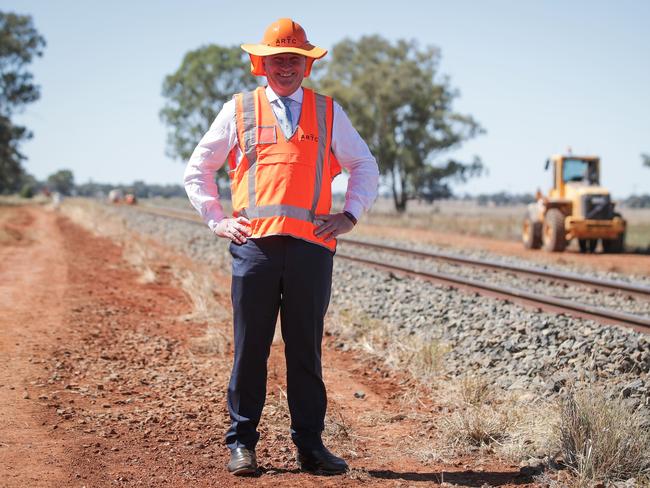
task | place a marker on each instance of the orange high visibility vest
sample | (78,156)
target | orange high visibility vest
(280,184)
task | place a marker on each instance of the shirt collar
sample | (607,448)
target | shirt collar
(295,96)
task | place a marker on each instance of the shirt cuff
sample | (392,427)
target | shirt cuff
(355,208)
(213,224)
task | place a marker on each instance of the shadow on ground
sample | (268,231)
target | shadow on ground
(464,478)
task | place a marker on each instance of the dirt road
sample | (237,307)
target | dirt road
(108,377)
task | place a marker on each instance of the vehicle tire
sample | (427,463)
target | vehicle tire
(588,245)
(531,234)
(583,245)
(553,234)
(614,246)
(592,245)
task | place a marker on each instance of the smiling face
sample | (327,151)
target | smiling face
(284,72)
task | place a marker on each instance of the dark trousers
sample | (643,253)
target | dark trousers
(294,277)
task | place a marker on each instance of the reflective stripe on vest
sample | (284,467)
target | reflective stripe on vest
(250,140)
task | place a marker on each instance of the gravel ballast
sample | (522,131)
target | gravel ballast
(613,300)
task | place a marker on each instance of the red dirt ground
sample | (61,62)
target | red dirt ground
(101,382)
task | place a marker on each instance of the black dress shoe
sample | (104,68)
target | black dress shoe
(242,461)
(320,461)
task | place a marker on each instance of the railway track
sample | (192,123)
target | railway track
(526,298)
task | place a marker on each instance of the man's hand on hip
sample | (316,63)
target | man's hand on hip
(237,229)
(332,225)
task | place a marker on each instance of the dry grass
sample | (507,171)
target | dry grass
(421,358)
(531,435)
(602,440)
(476,390)
(487,419)
(92,216)
(207,307)
(337,428)
(638,236)
(478,426)
(138,255)
(204,293)
(340,434)
(638,227)
(213,342)
(468,218)
(17,200)
(12,231)
(277,408)
(455,217)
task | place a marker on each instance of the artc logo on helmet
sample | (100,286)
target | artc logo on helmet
(285,41)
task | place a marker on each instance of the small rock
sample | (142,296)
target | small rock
(631,386)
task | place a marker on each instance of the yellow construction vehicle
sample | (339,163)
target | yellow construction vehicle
(576,207)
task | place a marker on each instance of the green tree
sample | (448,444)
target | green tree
(646,160)
(19,44)
(28,185)
(61,181)
(207,78)
(402,107)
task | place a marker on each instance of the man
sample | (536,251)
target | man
(284,145)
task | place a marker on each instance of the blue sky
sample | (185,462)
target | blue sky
(539,76)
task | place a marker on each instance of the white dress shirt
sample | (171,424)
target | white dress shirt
(212,152)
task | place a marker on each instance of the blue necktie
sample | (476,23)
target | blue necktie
(287,123)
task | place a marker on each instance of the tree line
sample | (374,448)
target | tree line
(20,43)
(63,182)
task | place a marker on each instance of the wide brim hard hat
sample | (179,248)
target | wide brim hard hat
(283,36)
(307,50)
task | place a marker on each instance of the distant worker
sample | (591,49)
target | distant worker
(57,198)
(284,144)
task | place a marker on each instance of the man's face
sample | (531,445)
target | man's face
(284,72)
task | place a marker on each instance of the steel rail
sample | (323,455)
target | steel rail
(571,277)
(638,322)
(626,318)
(171,212)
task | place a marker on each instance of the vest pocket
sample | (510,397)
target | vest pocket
(284,178)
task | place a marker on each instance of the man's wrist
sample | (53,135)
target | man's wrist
(351,217)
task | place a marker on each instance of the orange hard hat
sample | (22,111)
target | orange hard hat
(283,36)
